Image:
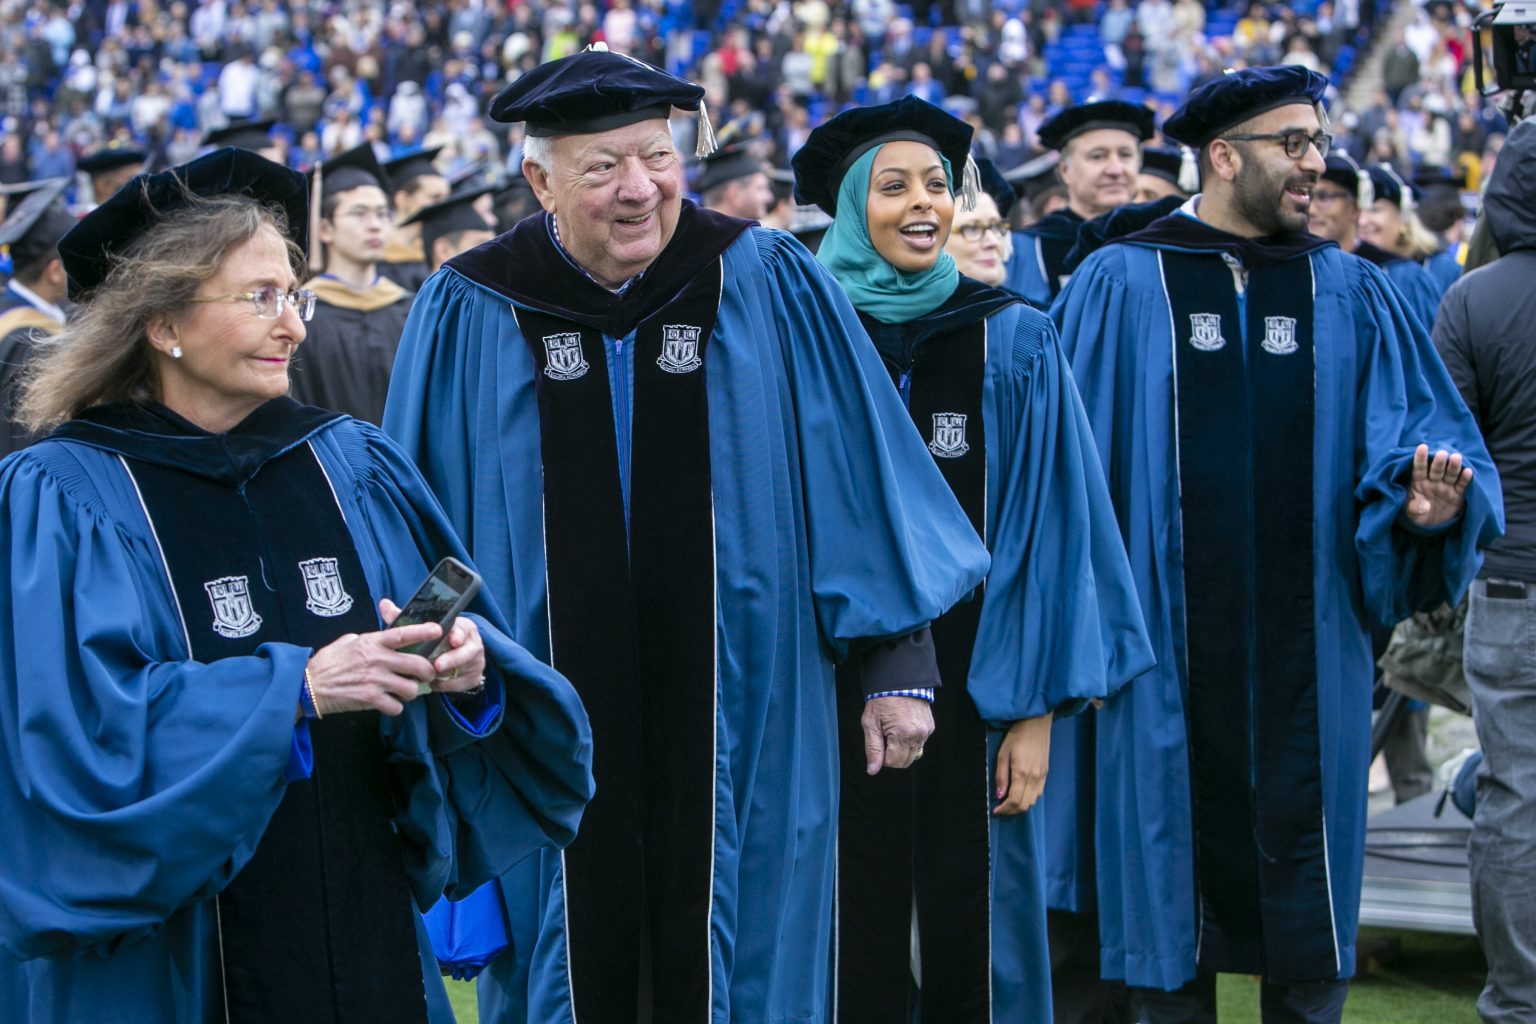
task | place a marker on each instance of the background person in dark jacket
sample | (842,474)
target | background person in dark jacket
(1484,334)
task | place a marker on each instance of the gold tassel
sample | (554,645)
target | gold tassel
(970,184)
(706,133)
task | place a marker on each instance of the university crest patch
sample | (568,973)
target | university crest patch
(679,348)
(949,435)
(325,594)
(1205,331)
(564,360)
(233,615)
(1279,335)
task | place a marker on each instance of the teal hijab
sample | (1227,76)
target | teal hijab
(875,287)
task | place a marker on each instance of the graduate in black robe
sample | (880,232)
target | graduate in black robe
(359,314)
(34,302)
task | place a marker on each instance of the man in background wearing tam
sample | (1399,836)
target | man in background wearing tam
(451,226)
(110,168)
(417,185)
(35,300)
(1100,147)
(734,182)
(349,350)
(1290,461)
(691,487)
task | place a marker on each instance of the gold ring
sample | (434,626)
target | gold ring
(455,673)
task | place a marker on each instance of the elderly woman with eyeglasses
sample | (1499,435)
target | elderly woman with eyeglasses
(229,782)
(1055,624)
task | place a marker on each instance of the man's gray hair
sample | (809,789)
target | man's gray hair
(540,150)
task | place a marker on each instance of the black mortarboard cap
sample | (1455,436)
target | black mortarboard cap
(995,185)
(1341,169)
(724,165)
(782,182)
(1034,176)
(1176,165)
(595,90)
(403,170)
(251,135)
(455,213)
(89,248)
(513,201)
(352,168)
(1118,115)
(823,161)
(111,158)
(1429,175)
(1389,185)
(36,222)
(1238,95)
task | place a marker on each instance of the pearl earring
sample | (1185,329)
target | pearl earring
(176,352)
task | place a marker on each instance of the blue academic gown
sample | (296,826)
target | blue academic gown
(141,781)
(1060,621)
(1380,390)
(1420,291)
(831,523)
(1037,266)
(1445,267)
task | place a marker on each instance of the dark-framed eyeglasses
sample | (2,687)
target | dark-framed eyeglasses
(974,231)
(1295,141)
(269,301)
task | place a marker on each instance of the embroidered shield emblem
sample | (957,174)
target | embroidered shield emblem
(948,435)
(679,348)
(564,360)
(1280,335)
(322,584)
(233,616)
(1205,331)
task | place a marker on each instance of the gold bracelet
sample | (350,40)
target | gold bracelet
(309,688)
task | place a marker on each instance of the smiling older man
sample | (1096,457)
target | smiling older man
(691,488)
(1100,146)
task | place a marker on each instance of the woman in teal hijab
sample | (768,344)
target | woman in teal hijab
(1056,624)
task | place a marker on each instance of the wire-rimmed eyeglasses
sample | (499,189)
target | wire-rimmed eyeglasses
(1295,141)
(973,231)
(269,301)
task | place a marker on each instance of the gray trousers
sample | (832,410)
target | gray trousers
(1500,660)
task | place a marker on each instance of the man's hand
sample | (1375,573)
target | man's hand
(1023,760)
(1438,490)
(895,729)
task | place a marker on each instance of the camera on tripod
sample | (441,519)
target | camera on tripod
(1513,23)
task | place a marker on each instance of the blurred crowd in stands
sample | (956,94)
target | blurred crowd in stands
(160,74)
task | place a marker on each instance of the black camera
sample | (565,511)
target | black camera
(1513,25)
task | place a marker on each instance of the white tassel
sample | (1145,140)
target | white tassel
(1365,189)
(1406,203)
(970,185)
(1189,171)
(597,47)
(706,133)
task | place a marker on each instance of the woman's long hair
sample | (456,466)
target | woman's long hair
(103,354)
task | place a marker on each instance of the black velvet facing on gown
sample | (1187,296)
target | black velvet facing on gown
(1245,401)
(924,833)
(632,622)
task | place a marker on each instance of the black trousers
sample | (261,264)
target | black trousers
(1319,1002)
(1078,994)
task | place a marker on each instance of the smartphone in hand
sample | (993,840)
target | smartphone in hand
(445,593)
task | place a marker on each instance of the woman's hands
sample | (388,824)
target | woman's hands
(1023,759)
(369,672)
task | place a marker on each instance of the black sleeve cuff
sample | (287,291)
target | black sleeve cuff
(899,663)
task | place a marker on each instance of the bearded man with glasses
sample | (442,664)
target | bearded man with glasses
(1290,462)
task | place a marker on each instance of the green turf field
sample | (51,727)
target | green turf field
(1433,979)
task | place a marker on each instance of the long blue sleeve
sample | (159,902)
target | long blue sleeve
(1406,399)
(138,782)
(890,548)
(1061,622)
(525,785)
(1420,291)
